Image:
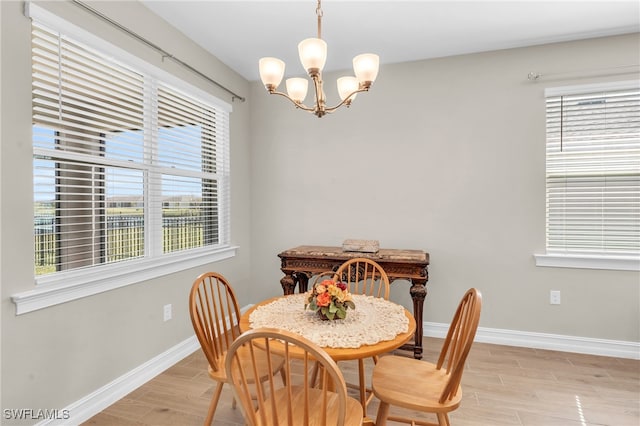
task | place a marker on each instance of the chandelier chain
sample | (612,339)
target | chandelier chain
(319,13)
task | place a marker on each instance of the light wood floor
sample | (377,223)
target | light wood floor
(502,385)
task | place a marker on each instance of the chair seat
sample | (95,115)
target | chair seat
(413,384)
(354,409)
(245,359)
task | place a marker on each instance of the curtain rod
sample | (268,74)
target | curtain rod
(155,47)
(534,76)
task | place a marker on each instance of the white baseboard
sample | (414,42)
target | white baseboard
(554,342)
(97,401)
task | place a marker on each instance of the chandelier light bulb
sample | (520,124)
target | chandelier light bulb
(271,72)
(366,67)
(313,54)
(297,88)
(346,86)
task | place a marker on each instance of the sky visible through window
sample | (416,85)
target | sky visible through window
(121,182)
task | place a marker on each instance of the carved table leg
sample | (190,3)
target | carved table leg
(418,293)
(303,281)
(288,283)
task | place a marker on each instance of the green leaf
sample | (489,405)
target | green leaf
(313,305)
(350,304)
(341,314)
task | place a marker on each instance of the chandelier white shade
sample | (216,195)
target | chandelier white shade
(348,86)
(271,71)
(297,88)
(313,56)
(366,67)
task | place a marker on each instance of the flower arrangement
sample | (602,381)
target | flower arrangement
(330,300)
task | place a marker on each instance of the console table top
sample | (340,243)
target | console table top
(398,255)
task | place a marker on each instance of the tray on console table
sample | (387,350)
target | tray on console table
(301,263)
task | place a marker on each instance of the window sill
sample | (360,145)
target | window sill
(64,287)
(585,261)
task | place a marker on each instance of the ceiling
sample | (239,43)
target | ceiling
(240,32)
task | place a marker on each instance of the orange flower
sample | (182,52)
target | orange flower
(323,286)
(323,299)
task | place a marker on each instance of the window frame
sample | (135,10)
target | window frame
(64,286)
(586,259)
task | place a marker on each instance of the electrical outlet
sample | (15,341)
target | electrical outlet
(554,297)
(167,312)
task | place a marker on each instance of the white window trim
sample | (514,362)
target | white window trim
(64,287)
(590,88)
(588,260)
(67,286)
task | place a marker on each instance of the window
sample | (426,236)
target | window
(130,168)
(593,173)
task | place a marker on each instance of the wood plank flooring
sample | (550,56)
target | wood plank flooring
(502,385)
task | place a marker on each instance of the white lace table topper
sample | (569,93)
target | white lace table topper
(373,320)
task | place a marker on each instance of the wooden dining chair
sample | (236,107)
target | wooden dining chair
(364,276)
(297,403)
(422,386)
(215,314)
(367,277)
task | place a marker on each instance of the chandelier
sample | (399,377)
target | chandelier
(313,55)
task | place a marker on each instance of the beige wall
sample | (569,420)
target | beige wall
(55,356)
(445,155)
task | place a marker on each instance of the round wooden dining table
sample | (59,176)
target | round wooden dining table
(338,353)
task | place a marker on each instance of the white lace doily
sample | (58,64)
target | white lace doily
(373,320)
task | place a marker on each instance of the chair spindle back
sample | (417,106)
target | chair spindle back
(297,402)
(215,315)
(364,276)
(458,342)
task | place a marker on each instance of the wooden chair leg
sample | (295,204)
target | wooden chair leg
(383,413)
(443,419)
(214,404)
(363,389)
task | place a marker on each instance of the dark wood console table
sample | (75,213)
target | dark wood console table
(299,264)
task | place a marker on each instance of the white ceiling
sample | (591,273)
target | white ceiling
(241,32)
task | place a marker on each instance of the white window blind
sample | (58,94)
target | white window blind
(593,170)
(126,166)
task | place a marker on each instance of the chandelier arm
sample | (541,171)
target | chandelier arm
(346,100)
(297,104)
